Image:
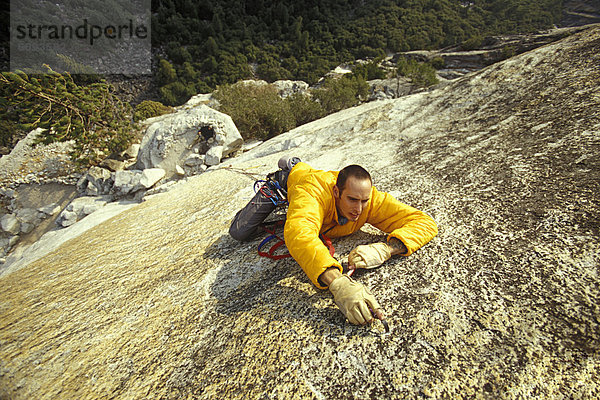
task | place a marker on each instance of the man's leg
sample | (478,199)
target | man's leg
(247,220)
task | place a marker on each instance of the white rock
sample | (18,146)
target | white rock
(214,155)
(13,240)
(125,181)
(151,176)
(90,208)
(67,218)
(10,224)
(287,88)
(27,227)
(27,216)
(194,160)
(92,190)
(79,208)
(132,151)
(3,246)
(198,99)
(50,209)
(180,171)
(170,141)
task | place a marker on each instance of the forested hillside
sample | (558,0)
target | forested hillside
(205,43)
(199,45)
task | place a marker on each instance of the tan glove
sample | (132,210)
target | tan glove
(369,255)
(354,300)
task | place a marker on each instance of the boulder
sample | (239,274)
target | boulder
(97,181)
(10,224)
(194,160)
(214,155)
(27,227)
(286,88)
(67,218)
(79,208)
(50,209)
(131,152)
(126,181)
(123,160)
(29,219)
(170,141)
(114,165)
(28,215)
(384,89)
(4,247)
(151,176)
(199,99)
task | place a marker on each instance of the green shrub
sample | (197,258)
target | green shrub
(472,43)
(338,94)
(176,93)
(257,110)
(304,108)
(438,63)
(370,70)
(508,51)
(421,74)
(148,109)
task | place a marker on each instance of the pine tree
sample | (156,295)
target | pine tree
(92,116)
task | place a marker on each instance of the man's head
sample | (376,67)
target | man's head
(352,191)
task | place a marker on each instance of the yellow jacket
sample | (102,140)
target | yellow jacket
(312,211)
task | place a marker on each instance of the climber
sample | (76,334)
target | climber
(338,204)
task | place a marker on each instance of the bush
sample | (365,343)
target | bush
(438,63)
(472,43)
(370,70)
(421,74)
(304,108)
(176,93)
(337,94)
(256,109)
(148,109)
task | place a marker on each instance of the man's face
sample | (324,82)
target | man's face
(352,200)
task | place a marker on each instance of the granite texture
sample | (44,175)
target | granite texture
(158,301)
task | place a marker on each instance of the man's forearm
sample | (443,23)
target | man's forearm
(329,275)
(397,247)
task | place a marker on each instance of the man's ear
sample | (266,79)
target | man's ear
(336,191)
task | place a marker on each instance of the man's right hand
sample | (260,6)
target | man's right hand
(354,300)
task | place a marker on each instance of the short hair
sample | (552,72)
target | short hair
(355,171)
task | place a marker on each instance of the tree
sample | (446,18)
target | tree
(166,73)
(211,47)
(92,116)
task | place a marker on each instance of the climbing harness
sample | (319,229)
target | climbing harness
(271,228)
(272,190)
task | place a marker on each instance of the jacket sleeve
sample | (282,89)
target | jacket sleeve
(304,219)
(412,227)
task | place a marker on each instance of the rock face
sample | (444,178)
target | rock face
(170,141)
(286,88)
(159,302)
(494,49)
(384,89)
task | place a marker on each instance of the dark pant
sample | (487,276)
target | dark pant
(247,221)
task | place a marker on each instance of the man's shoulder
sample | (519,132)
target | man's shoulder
(303,172)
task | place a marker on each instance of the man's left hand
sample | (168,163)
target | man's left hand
(369,255)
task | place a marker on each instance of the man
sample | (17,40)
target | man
(338,204)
